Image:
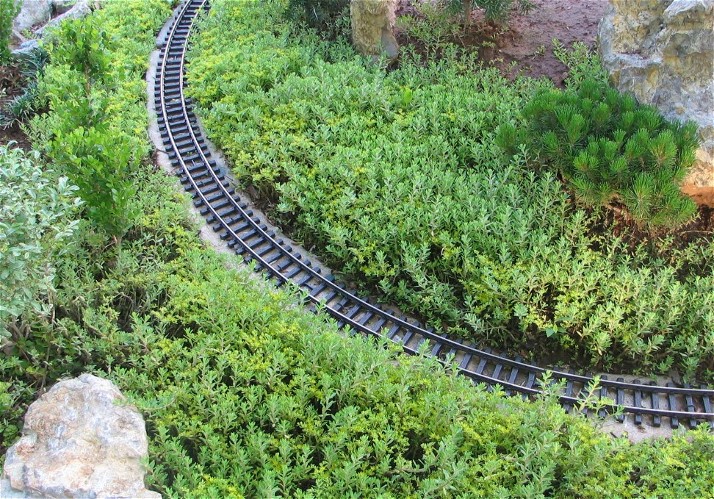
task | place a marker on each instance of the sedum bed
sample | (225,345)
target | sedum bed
(397,178)
(247,395)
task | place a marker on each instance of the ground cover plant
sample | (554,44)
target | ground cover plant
(398,179)
(247,395)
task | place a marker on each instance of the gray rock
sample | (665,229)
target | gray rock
(32,13)
(662,51)
(79,440)
(25,48)
(373,28)
(7,492)
(80,8)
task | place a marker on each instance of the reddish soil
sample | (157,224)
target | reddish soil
(14,133)
(10,80)
(524,41)
(527,43)
(698,231)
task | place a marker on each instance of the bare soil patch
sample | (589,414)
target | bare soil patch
(14,134)
(528,37)
(524,43)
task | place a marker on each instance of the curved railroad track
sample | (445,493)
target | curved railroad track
(250,237)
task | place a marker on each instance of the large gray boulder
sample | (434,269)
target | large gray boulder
(36,15)
(33,13)
(80,439)
(26,48)
(78,9)
(662,51)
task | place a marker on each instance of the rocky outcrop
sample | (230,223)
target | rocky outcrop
(33,13)
(662,51)
(36,15)
(26,48)
(80,439)
(373,28)
(80,8)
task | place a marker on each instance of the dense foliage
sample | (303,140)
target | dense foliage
(323,15)
(8,11)
(246,395)
(398,179)
(36,211)
(95,132)
(38,239)
(610,149)
(249,398)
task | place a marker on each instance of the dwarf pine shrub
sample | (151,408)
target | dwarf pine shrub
(611,150)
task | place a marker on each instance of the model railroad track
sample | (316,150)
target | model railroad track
(251,237)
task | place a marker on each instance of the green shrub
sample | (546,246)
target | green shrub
(8,11)
(611,150)
(102,166)
(36,212)
(95,130)
(83,46)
